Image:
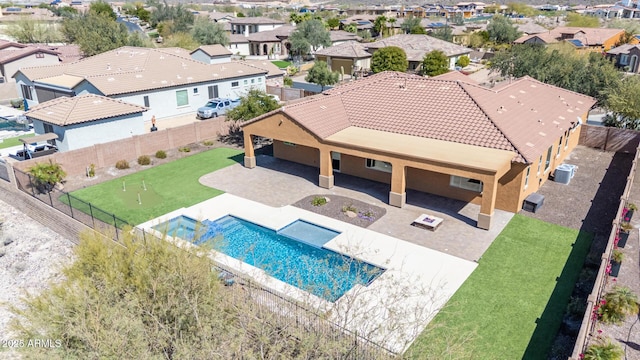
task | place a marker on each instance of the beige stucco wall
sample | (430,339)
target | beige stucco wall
(12,67)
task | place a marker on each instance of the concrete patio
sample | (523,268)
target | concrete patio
(278,183)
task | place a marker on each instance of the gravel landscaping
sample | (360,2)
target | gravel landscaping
(342,208)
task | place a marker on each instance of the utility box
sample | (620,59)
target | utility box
(533,202)
(563,174)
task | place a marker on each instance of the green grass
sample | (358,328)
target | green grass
(281,64)
(169,187)
(13,141)
(513,302)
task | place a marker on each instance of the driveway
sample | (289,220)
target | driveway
(279,183)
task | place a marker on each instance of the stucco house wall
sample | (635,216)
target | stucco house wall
(86,134)
(10,68)
(203,57)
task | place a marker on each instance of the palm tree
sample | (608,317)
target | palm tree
(47,175)
(391,21)
(604,350)
(619,303)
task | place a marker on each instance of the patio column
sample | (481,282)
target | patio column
(398,194)
(325,180)
(249,155)
(488,205)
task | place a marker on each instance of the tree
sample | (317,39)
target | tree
(626,38)
(47,175)
(379,25)
(309,35)
(410,23)
(435,63)
(333,22)
(390,58)
(254,12)
(516,8)
(299,18)
(444,33)
(254,104)
(418,30)
(501,30)
(352,28)
(28,31)
(463,61)
(321,74)
(207,33)
(624,103)
(577,20)
(102,8)
(181,40)
(95,34)
(180,16)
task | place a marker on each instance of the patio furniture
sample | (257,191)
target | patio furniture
(428,222)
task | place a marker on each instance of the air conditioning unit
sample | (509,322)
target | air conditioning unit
(563,174)
(1,79)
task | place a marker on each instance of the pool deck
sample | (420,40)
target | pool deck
(393,310)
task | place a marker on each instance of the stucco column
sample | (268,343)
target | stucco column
(398,195)
(249,155)
(488,205)
(325,180)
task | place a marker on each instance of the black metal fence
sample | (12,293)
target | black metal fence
(102,221)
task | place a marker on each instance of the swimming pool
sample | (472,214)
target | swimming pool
(319,271)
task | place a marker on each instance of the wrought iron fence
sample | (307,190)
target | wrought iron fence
(102,221)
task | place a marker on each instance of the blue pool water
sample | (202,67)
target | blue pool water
(319,271)
(182,226)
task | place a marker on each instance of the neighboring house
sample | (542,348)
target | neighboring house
(530,28)
(239,45)
(346,57)
(626,57)
(491,147)
(471,9)
(85,120)
(417,46)
(275,76)
(585,39)
(250,25)
(272,44)
(211,54)
(221,17)
(167,80)
(14,56)
(340,36)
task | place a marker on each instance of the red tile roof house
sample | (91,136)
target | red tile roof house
(491,147)
(584,39)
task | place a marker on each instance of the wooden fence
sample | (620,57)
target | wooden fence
(609,139)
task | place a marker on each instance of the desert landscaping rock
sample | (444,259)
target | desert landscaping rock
(333,209)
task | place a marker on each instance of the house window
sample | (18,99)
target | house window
(39,56)
(559,147)
(253,81)
(378,165)
(235,84)
(259,80)
(195,91)
(526,178)
(246,82)
(466,183)
(624,59)
(539,164)
(146,100)
(182,97)
(26,92)
(566,139)
(547,164)
(48,128)
(213,91)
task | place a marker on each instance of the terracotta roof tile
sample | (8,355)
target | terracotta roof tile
(588,36)
(255,20)
(83,108)
(213,50)
(447,110)
(419,45)
(455,76)
(349,49)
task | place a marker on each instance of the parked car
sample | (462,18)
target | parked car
(216,107)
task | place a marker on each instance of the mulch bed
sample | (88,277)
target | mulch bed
(366,214)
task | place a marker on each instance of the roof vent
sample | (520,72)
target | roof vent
(161,57)
(513,97)
(111,79)
(530,144)
(163,82)
(108,66)
(138,76)
(323,107)
(533,85)
(561,117)
(522,92)
(542,134)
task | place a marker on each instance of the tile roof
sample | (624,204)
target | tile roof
(264,65)
(65,111)
(588,36)
(213,50)
(349,49)
(530,28)
(455,76)
(341,35)
(255,20)
(132,69)
(623,49)
(416,46)
(10,55)
(525,117)
(238,39)
(272,35)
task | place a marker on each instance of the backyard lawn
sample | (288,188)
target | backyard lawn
(13,141)
(150,193)
(513,302)
(281,64)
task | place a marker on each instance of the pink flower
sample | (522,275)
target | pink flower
(599,331)
(614,280)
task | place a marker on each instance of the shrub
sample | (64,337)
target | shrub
(288,81)
(161,154)
(349,207)
(144,160)
(185,149)
(47,175)
(207,143)
(617,304)
(319,201)
(632,206)
(92,170)
(604,350)
(122,164)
